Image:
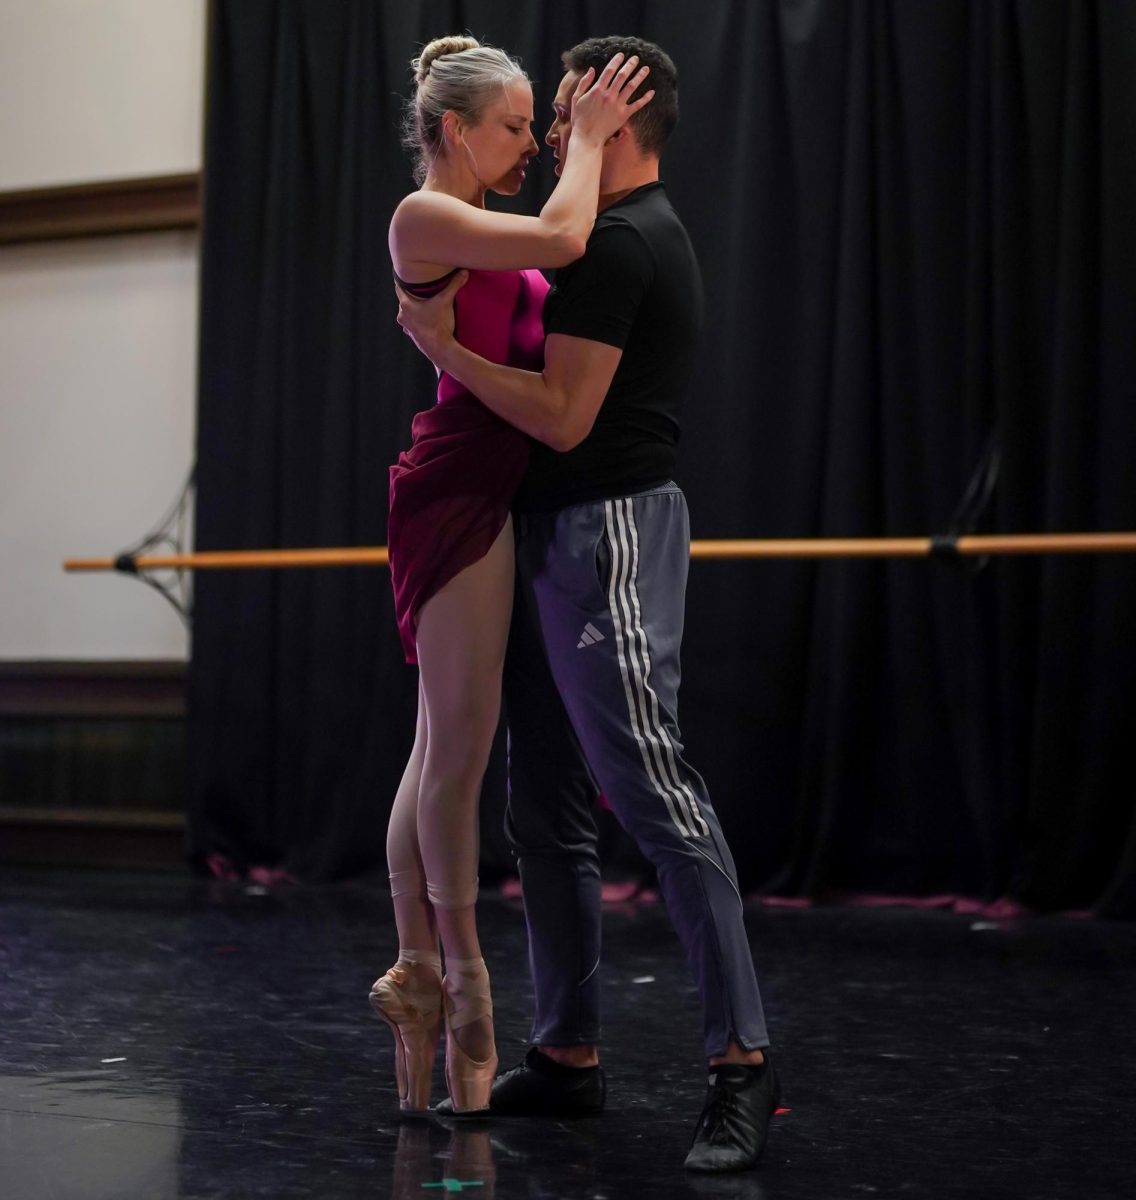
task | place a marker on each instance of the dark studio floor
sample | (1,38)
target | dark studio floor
(163,1037)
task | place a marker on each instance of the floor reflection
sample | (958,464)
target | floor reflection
(544,1159)
(431,1158)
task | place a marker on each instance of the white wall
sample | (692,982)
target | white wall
(97,377)
(99,89)
(97,337)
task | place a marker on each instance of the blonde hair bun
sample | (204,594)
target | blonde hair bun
(467,80)
(437,49)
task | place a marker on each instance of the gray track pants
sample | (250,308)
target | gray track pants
(591,691)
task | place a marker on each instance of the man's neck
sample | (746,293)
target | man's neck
(623,182)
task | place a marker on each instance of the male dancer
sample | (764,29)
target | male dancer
(592,674)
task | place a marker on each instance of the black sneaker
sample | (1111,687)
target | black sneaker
(541,1087)
(731,1131)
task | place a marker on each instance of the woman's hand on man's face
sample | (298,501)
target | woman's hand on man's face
(603,107)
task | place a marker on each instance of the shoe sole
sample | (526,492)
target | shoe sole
(527,1114)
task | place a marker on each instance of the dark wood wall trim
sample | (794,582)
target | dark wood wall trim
(151,689)
(160,202)
(76,838)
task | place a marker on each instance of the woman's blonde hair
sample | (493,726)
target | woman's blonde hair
(452,74)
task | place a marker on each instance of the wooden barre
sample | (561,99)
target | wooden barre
(977,545)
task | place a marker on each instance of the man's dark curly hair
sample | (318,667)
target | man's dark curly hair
(651,125)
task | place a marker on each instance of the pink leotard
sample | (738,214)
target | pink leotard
(450,493)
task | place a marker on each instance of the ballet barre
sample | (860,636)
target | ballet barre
(942,546)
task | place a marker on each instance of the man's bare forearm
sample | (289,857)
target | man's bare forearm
(523,398)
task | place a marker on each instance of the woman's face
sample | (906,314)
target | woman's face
(501,144)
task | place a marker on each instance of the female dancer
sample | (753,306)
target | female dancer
(450,536)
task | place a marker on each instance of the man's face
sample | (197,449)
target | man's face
(560,130)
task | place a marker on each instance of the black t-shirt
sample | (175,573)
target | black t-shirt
(637,287)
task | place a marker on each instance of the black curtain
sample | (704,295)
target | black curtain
(915,225)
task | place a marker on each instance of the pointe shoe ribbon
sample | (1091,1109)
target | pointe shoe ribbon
(467,999)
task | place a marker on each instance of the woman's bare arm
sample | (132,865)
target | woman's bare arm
(440,230)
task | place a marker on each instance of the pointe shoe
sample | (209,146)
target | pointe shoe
(467,999)
(409,999)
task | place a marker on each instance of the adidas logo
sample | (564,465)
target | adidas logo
(589,637)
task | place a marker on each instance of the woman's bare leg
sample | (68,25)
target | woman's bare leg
(409,996)
(462,632)
(413,913)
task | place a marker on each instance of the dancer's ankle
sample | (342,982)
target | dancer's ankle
(421,958)
(572,1056)
(470,1006)
(738,1056)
